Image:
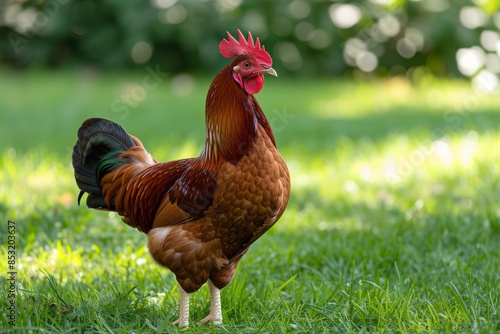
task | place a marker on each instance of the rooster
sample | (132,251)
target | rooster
(200,214)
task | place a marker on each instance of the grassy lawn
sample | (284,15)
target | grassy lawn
(393,224)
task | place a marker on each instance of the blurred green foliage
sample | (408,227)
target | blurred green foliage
(375,37)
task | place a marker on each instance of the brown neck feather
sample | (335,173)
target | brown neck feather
(232,118)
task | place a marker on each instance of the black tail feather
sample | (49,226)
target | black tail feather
(97,138)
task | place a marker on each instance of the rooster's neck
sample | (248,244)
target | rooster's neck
(232,119)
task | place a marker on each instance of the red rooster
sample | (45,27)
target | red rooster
(201,214)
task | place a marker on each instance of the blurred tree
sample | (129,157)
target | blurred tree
(371,37)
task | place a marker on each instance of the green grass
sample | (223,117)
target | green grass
(393,224)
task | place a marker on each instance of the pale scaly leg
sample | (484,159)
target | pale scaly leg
(183,320)
(215,315)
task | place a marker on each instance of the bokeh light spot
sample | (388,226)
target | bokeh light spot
(436,5)
(352,48)
(472,17)
(299,9)
(383,2)
(470,60)
(255,22)
(344,15)
(319,39)
(141,52)
(304,30)
(182,84)
(493,63)
(489,40)
(163,3)
(389,25)
(406,48)
(227,5)
(289,55)
(486,82)
(173,15)
(366,61)
(416,37)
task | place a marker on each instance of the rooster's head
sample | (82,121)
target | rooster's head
(252,61)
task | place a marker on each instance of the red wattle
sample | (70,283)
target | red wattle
(254,84)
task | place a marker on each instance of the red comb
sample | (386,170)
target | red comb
(231,48)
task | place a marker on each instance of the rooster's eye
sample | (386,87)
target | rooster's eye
(246,65)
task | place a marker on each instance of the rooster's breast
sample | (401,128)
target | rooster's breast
(250,196)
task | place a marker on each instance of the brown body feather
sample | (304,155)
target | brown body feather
(202,214)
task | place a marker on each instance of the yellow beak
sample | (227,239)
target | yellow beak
(269,70)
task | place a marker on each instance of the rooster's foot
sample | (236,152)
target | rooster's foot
(182,324)
(212,319)
(215,315)
(183,320)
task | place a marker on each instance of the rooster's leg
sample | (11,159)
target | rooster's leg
(215,315)
(183,320)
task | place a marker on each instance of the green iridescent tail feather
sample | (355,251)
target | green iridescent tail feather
(96,153)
